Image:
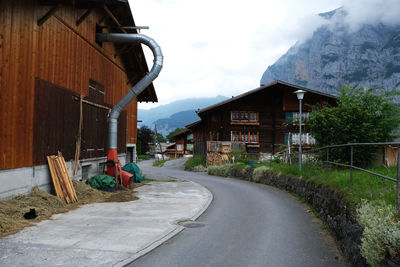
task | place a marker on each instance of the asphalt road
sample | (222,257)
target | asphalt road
(247,224)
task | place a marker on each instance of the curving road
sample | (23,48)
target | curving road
(247,224)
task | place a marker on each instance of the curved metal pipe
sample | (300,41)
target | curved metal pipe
(137,88)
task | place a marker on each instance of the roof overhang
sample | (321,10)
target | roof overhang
(118,13)
(193,124)
(180,132)
(263,87)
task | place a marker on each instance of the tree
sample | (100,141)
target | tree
(361,116)
(159,137)
(170,138)
(145,136)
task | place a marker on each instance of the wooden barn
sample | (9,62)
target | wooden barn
(54,77)
(260,121)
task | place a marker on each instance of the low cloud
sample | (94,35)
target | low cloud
(361,12)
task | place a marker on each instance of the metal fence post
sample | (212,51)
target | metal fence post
(327,164)
(398,180)
(351,164)
(270,159)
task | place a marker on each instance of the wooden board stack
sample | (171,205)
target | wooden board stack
(61,179)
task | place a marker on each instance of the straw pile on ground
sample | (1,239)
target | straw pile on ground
(12,211)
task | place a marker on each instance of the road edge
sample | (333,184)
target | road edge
(169,235)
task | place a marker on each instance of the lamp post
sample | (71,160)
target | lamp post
(300,96)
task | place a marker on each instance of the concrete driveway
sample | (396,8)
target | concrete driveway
(108,234)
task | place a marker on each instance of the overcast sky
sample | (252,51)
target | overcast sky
(222,47)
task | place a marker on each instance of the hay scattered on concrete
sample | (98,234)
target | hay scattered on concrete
(12,211)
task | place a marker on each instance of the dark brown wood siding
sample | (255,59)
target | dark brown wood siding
(57,120)
(271,104)
(58,52)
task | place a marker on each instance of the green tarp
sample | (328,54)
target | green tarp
(132,168)
(102,181)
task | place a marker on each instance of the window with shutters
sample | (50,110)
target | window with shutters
(244,117)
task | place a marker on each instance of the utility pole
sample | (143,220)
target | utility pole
(158,141)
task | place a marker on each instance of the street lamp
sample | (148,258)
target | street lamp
(300,96)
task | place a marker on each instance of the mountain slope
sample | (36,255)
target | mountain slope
(149,116)
(176,120)
(336,55)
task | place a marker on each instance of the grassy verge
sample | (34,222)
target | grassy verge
(365,186)
(12,211)
(160,163)
(143,157)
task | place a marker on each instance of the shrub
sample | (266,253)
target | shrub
(199,168)
(248,168)
(361,116)
(259,173)
(219,170)
(381,231)
(195,161)
(240,155)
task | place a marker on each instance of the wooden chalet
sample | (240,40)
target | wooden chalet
(170,151)
(259,121)
(183,143)
(54,76)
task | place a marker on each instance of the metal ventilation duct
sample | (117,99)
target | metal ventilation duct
(137,88)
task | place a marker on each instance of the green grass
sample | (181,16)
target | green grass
(195,161)
(160,163)
(365,186)
(143,157)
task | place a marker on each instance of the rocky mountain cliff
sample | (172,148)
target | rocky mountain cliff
(336,55)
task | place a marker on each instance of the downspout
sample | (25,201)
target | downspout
(114,169)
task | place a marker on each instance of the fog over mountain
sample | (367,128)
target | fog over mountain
(358,44)
(176,114)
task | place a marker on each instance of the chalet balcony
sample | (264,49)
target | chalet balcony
(294,139)
(294,118)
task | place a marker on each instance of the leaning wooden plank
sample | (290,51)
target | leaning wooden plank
(74,197)
(65,178)
(61,180)
(59,175)
(54,177)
